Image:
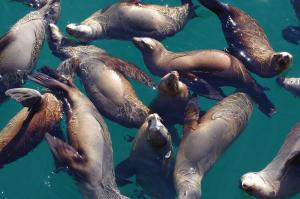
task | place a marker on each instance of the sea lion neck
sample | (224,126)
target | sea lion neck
(154,61)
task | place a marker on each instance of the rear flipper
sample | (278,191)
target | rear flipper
(192,8)
(50,82)
(213,5)
(124,170)
(27,97)
(292,34)
(65,71)
(204,88)
(65,154)
(261,99)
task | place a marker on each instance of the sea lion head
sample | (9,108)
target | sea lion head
(170,84)
(289,83)
(51,11)
(158,134)
(281,61)
(255,185)
(148,45)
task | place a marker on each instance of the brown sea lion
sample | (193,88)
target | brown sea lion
(104,79)
(20,46)
(280,179)
(172,98)
(151,160)
(124,20)
(89,153)
(247,40)
(217,68)
(292,33)
(205,139)
(26,130)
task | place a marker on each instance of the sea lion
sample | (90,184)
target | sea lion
(89,154)
(173,96)
(26,130)
(292,33)
(291,84)
(151,160)
(104,79)
(20,46)
(247,40)
(124,20)
(280,179)
(205,139)
(217,68)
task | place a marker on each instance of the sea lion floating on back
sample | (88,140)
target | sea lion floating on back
(89,154)
(247,40)
(206,138)
(280,179)
(151,160)
(104,78)
(128,19)
(20,46)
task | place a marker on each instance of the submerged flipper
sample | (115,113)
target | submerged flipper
(204,88)
(64,153)
(27,97)
(191,116)
(124,170)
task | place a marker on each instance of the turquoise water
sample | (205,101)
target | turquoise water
(32,178)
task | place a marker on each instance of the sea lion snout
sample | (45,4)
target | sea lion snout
(144,43)
(158,134)
(82,32)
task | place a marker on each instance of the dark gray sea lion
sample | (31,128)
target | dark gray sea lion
(172,98)
(205,139)
(125,20)
(20,46)
(217,68)
(291,84)
(151,160)
(89,153)
(247,40)
(280,179)
(104,79)
(292,33)
(26,130)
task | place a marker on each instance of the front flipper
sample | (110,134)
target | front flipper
(27,97)
(127,69)
(191,116)
(124,170)
(65,153)
(203,88)
(291,34)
